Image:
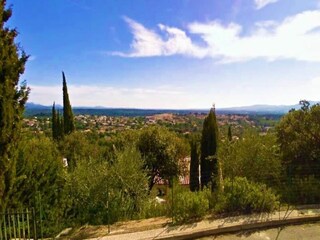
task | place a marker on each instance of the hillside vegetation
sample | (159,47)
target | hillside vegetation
(75,170)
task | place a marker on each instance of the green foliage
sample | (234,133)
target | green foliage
(60,126)
(229,133)
(253,156)
(151,208)
(266,120)
(124,139)
(56,124)
(301,190)
(162,151)
(242,196)
(12,101)
(86,191)
(40,180)
(209,145)
(67,110)
(130,180)
(111,175)
(100,191)
(194,163)
(299,138)
(187,205)
(76,147)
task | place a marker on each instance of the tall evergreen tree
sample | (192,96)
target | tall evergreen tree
(194,163)
(57,124)
(67,110)
(54,123)
(12,101)
(209,144)
(60,126)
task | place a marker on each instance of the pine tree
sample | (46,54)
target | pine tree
(67,110)
(194,164)
(209,144)
(12,101)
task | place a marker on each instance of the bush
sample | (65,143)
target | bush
(40,182)
(243,196)
(151,208)
(302,190)
(187,205)
(253,156)
(100,191)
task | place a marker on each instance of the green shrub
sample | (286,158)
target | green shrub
(151,208)
(100,191)
(301,190)
(187,205)
(243,196)
(40,182)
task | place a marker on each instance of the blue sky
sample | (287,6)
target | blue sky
(171,53)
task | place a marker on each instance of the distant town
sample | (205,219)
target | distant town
(181,123)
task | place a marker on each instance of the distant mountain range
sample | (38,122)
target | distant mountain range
(272,109)
(33,109)
(276,109)
(39,106)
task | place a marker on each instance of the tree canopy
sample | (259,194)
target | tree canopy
(299,138)
(253,156)
(12,101)
(161,151)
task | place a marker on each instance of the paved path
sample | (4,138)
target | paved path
(218,226)
(297,232)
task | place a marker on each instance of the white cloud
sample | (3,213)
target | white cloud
(87,95)
(147,43)
(262,3)
(290,39)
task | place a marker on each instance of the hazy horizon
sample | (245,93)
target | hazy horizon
(29,104)
(171,54)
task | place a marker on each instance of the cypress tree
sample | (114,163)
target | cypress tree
(12,101)
(54,125)
(60,126)
(68,121)
(194,164)
(57,124)
(209,144)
